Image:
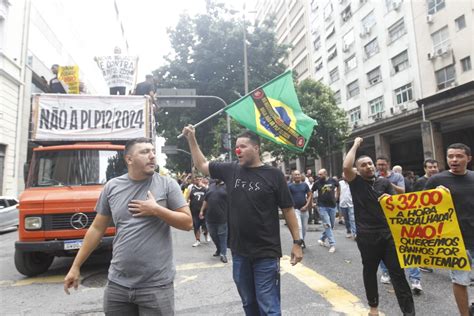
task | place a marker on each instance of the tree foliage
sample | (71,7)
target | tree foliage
(208,57)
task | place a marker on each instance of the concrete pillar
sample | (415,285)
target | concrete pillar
(439,153)
(382,146)
(317,165)
(433,143)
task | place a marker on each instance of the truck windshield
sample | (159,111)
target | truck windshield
(76,167)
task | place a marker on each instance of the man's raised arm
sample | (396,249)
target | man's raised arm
(348,164)
(200,162)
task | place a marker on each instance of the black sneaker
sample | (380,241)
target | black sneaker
(303,245)
(216,254)
(223,259)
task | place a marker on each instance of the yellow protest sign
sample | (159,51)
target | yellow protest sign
(425,228)
(69,75)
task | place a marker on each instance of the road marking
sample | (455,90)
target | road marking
(187,279)
(199,265)
(342,300)
(48,279)
(60,278)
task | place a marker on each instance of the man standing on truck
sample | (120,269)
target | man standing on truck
(143,206)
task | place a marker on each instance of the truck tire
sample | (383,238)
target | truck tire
(32,263)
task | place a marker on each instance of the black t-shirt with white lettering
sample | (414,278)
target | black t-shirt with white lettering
(216,198)
(462,192)
(326,191)
(369,216)
(196,198)
(254,195)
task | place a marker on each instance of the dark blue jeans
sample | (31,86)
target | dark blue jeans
(218,234)
(258,283)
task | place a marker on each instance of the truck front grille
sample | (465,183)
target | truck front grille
(81,220)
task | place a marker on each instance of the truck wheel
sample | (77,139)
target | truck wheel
(32,263)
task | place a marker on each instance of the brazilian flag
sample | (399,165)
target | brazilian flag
(273,112)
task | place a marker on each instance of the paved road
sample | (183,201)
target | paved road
(325,284)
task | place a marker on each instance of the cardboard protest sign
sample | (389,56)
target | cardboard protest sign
(69,75)
(118,70)
(425,228)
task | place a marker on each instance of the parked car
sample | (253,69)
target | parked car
(8,213)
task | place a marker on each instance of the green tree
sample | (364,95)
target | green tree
(317,101)
(208,57)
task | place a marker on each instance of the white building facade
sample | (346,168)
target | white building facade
(33,36)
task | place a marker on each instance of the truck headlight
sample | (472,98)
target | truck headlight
(33,223)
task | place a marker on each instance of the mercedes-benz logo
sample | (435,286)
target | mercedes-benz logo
(79,220)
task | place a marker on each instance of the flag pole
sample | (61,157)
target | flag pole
(205,120)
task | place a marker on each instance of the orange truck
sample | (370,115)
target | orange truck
(79,143)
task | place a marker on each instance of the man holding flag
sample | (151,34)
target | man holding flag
(255,191)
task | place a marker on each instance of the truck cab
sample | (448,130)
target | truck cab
(64,182)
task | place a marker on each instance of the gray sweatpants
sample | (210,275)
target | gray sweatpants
(120,300)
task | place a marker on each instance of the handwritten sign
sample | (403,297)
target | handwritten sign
(69,75)
(118,70)
(425,228)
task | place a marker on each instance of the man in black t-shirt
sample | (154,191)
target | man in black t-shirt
(328,194)
(195,200)
(460,182)
(255,193)
(214,210)
(55,85)
(374,239)
(431,168)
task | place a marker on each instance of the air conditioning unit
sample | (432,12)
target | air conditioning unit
(431,55)
(378,116)
(403,107)
(396,5)
(442,51)
(429,19)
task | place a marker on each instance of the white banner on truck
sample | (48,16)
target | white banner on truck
(85,118)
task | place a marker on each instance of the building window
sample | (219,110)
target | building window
(354,115)
(393,4)
(404,94)
(397,30)
(350,63)
(346,14)
(440,38)
(371,48)
(319,65)
(374,76)
(332,52)
(460,23)
(334,75)
(445,77)
(328,10)
(348,40)
(466,63)
(337,97)
(435,5)
(376,106)
(330,31)
(317,43)
(353,89)
(368,21)
(400,62)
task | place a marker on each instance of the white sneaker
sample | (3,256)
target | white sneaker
(332,249)
(197,243)
(321,243)
(385,278)
(416,287)
(348,235)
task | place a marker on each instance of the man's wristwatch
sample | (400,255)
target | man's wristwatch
(298,242)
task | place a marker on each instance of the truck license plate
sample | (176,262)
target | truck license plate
(72,244)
